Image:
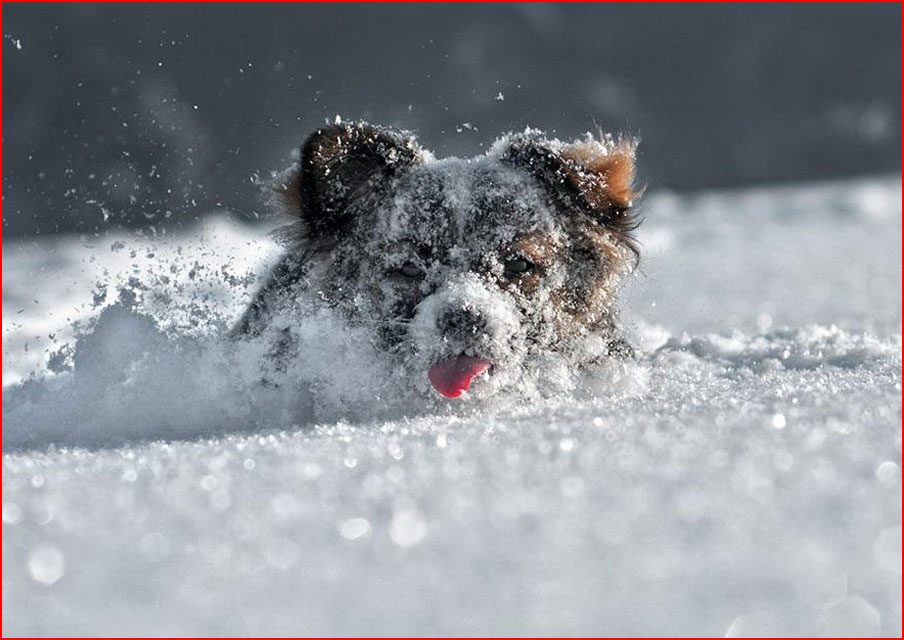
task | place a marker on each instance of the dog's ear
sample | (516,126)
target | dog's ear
(591,177)
(340,166)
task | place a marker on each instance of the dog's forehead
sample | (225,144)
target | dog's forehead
(454,200)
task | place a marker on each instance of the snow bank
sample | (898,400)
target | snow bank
(130,381)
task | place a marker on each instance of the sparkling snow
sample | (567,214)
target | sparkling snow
(743,479)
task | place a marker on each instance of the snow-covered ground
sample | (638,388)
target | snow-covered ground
(744,478)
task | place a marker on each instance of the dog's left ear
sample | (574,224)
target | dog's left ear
(590,177)
(341,168)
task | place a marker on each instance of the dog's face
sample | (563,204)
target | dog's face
(466,270)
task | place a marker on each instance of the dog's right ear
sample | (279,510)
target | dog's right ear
(341,166)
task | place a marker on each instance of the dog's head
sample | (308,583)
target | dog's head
(466,267)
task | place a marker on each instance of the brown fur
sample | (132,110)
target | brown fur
(605,179)
(540,250)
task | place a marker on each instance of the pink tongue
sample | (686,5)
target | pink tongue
(452,377)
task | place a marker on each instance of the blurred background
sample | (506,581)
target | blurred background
(154,115)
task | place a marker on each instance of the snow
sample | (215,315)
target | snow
(743,478)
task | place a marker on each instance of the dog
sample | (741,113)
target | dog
(469,273)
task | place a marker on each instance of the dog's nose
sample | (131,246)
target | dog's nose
(461,323)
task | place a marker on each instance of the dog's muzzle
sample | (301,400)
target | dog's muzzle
(461,331)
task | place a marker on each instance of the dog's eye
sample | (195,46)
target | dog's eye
(516,266)
(411,270)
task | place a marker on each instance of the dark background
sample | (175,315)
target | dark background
(155,114)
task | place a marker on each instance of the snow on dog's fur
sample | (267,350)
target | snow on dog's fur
(488,270)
